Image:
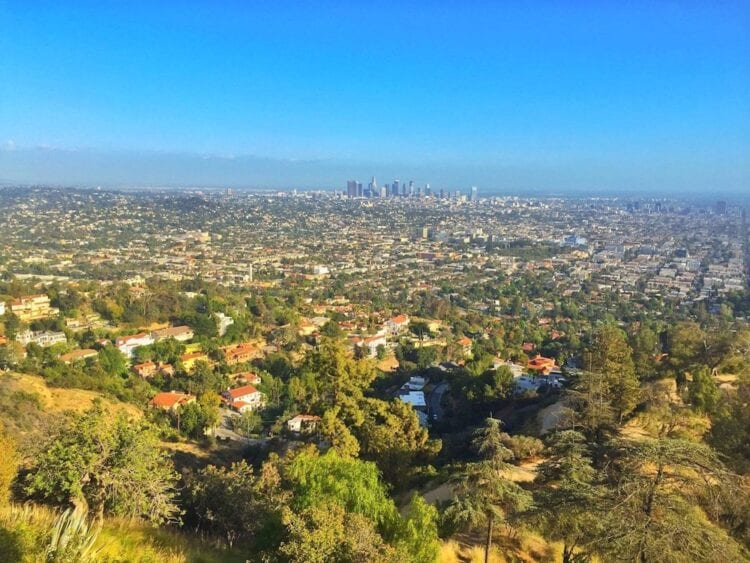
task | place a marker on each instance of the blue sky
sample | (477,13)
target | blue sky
(507,95)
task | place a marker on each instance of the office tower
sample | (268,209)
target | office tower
(442,193)
(721,207)
(474,194)
(427,191)
(351,188)
(373,187)
(411,188)
(404,189)
(394,187)
(360,192)
(384,191)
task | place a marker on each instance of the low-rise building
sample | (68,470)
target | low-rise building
(245,398)
(128,344)
(191,358)
(43,339)
(303,423)
(240,353)
(179,333)
(171,401)
(32,308)
(78,355)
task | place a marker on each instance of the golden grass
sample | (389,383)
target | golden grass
(56,400)
(25,533)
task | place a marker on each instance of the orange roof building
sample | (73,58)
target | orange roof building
(541,365)
(171,401)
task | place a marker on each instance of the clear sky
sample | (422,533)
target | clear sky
(546,95)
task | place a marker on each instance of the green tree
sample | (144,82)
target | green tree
(482,495)
(107,464)
(568,501)
(645,344)
(392,437)
(353,484)
(417,535)
(656,514)
(337,434)
(328,533)
(703,391)
(235,503)
(112,361)
(247,424)
(611,356)
(340,378)
(730,425)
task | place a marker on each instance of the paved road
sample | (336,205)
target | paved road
(225,432)
(435,398)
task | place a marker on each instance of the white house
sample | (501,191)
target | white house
(223,322)
(128,344)
(43,339)
(2,307)
(245,398)
(414,398)
(179,333)
(370,343)
(303,423)
(397,324)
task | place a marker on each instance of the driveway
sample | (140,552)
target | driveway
(435,398)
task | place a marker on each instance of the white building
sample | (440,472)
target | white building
(303,423)
(128,344)
(370,344)
(245,398)
(223,322)
(43,339)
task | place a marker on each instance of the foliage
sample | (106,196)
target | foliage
(72,539)
(569,501)
(107,465)
(8,464)
(482,495)
(655,512)
(392,437)
(703,391)
(328,533)
(234,502)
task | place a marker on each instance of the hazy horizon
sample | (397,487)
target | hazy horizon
(604,98)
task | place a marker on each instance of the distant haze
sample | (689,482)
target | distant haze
(164,169)
(565,96)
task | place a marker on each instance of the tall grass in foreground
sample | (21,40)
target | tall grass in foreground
(31,533)
(72,539)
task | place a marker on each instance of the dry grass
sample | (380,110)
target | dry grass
(526,546)
(25,533)
(56,400)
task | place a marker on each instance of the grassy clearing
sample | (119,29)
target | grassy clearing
(25,533)
(57,400)
(524,546)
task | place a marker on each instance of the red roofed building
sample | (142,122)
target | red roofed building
(397,324)
(541,365)
(240,353)
(245,398)
(171,401)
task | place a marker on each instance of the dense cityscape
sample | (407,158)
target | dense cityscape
(235,327)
